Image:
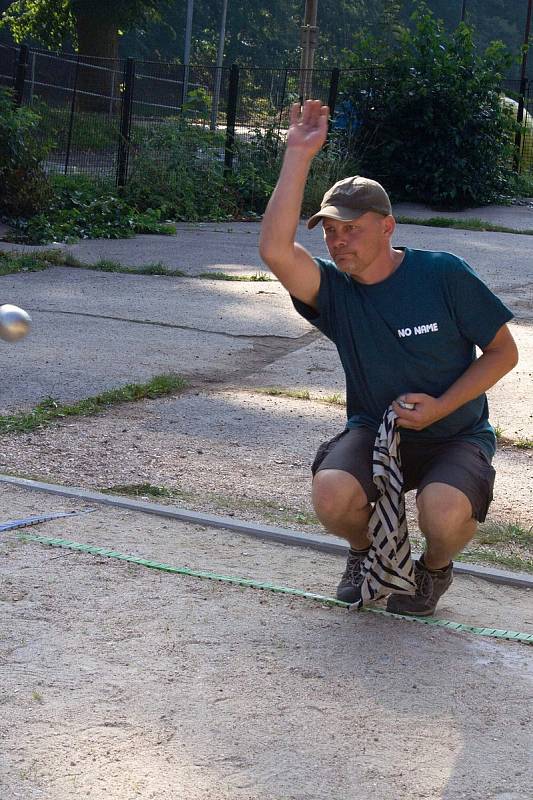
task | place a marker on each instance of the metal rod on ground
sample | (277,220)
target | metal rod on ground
(218,71)
(523,84)
(187,52)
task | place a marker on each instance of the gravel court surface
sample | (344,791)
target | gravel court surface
(129,682)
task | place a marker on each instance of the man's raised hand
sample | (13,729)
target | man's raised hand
(308,127)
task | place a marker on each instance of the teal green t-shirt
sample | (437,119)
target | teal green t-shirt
(416,331)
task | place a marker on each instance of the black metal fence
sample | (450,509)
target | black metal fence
(100,113)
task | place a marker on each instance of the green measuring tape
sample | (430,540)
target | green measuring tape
(495,633)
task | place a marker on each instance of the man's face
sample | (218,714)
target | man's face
(356,245)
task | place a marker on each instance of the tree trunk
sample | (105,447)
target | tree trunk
(98,76)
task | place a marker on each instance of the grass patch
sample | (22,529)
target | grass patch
(108,265)
(524,444)
(504,532)
(473,224)
(34,262)
(269,510)
(498,559)
(301,394)
(503,544)
(49,410)
(274,391)
(147,490)
(224,276)
(12,262)
(333,400)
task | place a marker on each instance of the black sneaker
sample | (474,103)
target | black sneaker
(430,586)
(349,588)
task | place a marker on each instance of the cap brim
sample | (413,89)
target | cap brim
(341,213)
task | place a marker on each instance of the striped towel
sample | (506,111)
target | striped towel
(388,566)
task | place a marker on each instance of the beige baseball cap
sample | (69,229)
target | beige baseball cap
(351,198)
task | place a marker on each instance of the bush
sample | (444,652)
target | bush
(85,209)
(328,167)
(24,187)
(256,168)
(179,169)
(432,124)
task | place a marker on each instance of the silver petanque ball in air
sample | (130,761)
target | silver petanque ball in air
(15,323)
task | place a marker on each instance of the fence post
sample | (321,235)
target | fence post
(125,122)
(231,115)
(282,106)
(72,112)
(520,120)
(20,74)
(332,97)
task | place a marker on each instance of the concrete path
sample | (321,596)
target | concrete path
(94,331)
(518,217)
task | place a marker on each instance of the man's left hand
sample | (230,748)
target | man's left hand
(427,410)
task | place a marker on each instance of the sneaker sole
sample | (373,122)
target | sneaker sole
(413,613)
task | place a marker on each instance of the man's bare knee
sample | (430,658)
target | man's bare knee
(443,507)
(336,494)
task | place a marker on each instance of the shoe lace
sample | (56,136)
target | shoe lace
(424,582)
(352,573)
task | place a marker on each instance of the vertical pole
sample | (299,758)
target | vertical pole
(32,79)
(72,112)
(523,82)
(309,38)
(20,74)
(231,116)
(218,72)
(125,122)
(463,11)
(332,97)
(282,103)
(187,53)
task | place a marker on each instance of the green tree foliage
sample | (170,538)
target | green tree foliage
(52,22)
(261,34)
(429,122)
(93,26)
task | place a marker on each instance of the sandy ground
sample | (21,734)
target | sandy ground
(121,682)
